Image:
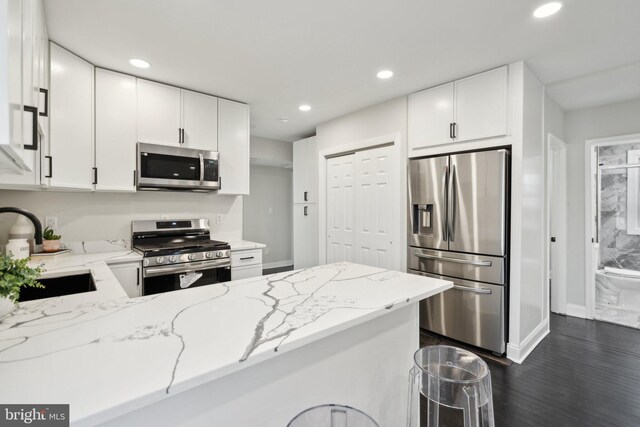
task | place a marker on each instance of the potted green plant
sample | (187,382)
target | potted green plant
(15,274)
(51,242)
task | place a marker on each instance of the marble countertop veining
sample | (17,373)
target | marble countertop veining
(106,354)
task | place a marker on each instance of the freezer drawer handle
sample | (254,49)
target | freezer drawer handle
(456,260)
(474,290)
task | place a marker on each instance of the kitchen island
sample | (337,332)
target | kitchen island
(253,352)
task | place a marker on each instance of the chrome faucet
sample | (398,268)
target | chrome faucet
(34,219)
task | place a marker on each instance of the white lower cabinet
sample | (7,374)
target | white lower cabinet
(129,276)
(246,263)
(238,273)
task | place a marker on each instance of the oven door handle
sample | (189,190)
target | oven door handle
(185,268)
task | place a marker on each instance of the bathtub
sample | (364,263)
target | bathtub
(619,289)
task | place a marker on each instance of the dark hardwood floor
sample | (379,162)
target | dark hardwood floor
(583,374)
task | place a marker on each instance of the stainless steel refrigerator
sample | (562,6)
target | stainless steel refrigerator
(458,231)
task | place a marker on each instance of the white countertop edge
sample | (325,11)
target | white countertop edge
(241,245)
(159,395)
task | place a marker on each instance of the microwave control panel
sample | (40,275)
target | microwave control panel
(210,170)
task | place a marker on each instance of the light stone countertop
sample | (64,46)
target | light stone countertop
(106,354)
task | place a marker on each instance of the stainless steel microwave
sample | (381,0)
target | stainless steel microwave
(162,167)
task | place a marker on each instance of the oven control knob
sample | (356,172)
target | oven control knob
(209,254)
(160,260)
(145,262)
(191,257)
(219,254)
(172,259)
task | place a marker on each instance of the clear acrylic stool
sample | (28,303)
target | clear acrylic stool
(451,377)
(332,416)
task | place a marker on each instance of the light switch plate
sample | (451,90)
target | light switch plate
(219,219)
(51,222)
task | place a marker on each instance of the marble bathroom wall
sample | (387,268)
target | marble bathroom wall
(617,248)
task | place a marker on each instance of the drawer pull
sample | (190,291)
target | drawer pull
(246,258)
(455,260)
(473,290)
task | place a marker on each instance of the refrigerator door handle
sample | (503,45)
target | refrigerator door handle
(474,290)
(452,203)
(455,260)
(445,195)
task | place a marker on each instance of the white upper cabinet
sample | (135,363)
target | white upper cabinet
(159,118)
(116,131)
(468,109)
(71,123)
(430,116)
(305,171)
(481,105)
(233,145)
(199,121)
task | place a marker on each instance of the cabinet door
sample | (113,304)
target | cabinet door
(128,275)
(71,123)
(481,105)
(116,128)
(233,145)
(200,120)
(311,170)
(430,117)
(158,113)
(239,273)
(305,236)
(300,170)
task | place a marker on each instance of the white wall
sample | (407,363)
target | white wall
(99,216)
(268,213)
(271,152)
(581,125)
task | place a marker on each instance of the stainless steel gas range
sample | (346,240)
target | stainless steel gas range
(179,254)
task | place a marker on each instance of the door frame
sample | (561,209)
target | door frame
(591,248)
(398,175)
(557,150)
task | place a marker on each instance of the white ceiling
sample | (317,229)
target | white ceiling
(278,54)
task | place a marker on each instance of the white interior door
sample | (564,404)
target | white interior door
(360,205)
(340,208)
(557,188)
(373,207)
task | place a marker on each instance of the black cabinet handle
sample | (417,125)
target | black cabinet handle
(179,136)
(219,183)
(306,196)
(451,130)
(306,211)
(45,113)
(182,132)
(95,175)
(138,276)
(50,167)
(455,130)
(34,128)
(246,258)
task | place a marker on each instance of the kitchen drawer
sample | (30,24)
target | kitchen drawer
(481,268)
(238,273)
(248,257)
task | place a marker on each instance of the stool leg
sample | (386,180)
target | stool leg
(433,413)
(470,406)
(487,411)
(413,399)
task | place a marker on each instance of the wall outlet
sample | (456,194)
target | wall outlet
(266,251)
(219,219)
(51,222)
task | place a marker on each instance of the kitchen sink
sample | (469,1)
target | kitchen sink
(59,286)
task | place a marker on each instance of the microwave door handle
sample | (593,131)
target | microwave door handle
(201,157)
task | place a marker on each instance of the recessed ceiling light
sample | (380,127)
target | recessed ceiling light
(139,63)
(385,74)
(547,9)
(304,108)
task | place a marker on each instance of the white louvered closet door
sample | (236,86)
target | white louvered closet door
(340,214)
(360,208)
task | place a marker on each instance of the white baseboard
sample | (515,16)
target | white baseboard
(519,353)
(277,264)
(577,311)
